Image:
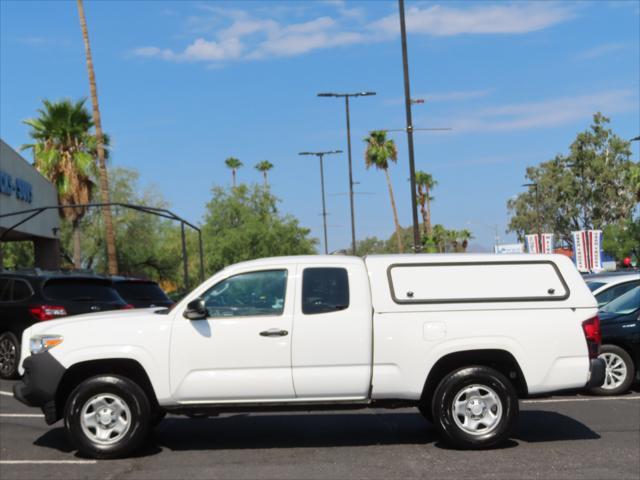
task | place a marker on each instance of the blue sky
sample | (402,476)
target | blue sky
(184,85)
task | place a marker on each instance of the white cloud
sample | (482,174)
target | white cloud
(486,19)
(544,114)
(602,50)
(233,34)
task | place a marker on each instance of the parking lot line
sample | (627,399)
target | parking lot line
(8,394)
(23,415)
(591,399)
(44,462)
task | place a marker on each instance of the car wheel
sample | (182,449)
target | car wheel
(9,355)
(475,407)
(107,416)
(619,372)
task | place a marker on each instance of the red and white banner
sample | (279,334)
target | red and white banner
(533,244)
(547,243)
(587,250)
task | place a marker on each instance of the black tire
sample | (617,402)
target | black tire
(9,356)
(618,385)
(487,384)
(138,417)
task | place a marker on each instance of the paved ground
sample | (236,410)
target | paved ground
(572,437)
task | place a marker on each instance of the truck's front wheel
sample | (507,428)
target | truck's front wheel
(107,416)
(475,407)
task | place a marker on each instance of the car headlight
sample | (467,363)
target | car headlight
(42,343)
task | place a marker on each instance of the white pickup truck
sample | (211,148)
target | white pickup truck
(460,337)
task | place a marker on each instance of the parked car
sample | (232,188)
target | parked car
(460,337)
(607,286)
(28,297)
(620,324)
(141,293)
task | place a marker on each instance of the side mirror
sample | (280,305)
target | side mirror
(195,310)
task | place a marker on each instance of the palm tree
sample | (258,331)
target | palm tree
(234,164)
(112,259)
(378,153)
(264,166)
(425,183)
(64,152)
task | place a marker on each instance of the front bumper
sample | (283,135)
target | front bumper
(38,387)
(597,370)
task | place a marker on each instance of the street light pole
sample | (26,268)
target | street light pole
(417,244)
(321,155)
(346,105)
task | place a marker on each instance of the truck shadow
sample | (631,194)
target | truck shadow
(245,431)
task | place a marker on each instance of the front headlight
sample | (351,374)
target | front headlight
(42,343)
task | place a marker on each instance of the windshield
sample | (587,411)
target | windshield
(625,304)
(80,290)
(593,286)
(137,290)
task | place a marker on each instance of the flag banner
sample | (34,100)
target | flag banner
(595,250)
(580,253)
(547,243)
(533,244)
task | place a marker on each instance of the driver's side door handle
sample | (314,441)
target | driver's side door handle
(274,332)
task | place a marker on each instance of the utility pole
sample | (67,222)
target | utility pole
(351,182)
(417,244)
(321,155)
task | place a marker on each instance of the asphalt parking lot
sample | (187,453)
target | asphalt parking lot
(577,437)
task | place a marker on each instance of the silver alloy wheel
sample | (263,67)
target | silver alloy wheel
(105,418)
(477,409)
(7,356)
(615,372)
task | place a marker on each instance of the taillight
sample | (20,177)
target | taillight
(593,335)
(128,306)
(46,312)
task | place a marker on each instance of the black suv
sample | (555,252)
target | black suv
(27,297)
(141,293)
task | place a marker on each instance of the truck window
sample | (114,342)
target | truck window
(248,295)
(472,282)
(324,290)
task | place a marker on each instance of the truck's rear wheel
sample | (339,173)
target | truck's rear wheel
(475,407)
(107,416)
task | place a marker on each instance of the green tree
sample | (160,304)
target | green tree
(588,188)
(377,154)
(263,167)
(622,239)
(244,223)
(63,152)
(424,185)
(234,164)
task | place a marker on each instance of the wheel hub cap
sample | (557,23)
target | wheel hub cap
(105,418)
(477,409)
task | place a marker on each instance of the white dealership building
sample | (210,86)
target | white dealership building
(22,188)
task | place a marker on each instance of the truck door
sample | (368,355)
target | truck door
(242,351)
(332,332)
